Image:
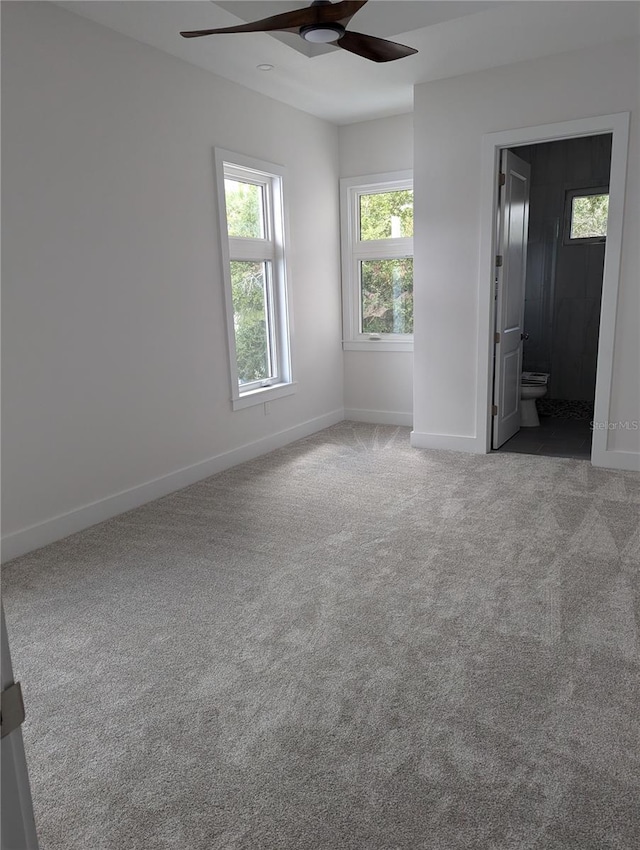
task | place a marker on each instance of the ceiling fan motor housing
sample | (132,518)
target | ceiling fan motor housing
(322,33)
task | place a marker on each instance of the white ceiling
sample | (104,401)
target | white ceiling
(452,38)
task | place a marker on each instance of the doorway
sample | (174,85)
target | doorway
(563,252)
(492,144)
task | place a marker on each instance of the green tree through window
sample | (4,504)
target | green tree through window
(250,320)
(386,215)
(245,209)
(589,214)
(386,285)
(387,296)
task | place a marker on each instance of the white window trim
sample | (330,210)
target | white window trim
(354,250)
(271,248)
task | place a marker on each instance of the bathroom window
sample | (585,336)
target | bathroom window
(377,261)
(587,211)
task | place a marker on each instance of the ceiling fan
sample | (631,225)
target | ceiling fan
(323,22)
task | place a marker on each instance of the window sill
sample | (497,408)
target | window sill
(587,240)
(263,394)
(386,345)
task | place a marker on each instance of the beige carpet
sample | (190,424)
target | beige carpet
(347,643)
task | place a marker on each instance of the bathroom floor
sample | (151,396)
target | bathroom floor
(555,437)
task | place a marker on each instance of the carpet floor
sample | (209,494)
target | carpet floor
(346,643)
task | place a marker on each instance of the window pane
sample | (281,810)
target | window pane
(589,215)
(386,288)
(245,209)
(386,215)
(249,282)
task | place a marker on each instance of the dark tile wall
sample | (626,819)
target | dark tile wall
(564,282)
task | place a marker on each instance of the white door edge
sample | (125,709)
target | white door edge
(510,279)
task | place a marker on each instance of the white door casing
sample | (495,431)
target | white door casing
(492,144)
(511,268)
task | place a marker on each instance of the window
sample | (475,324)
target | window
(250,195)
(586,214)
(377,261)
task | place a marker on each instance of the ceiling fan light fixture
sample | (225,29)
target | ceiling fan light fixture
(323,22)
(322,33)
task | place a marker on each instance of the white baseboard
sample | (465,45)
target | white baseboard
(447,442)
(629,461)
(379,417)
(50,530)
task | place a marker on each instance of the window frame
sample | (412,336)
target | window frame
(270,250)
(582,192)
(355,250)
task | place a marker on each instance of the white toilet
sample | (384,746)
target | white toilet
(533,385)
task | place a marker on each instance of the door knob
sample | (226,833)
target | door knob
(524,336)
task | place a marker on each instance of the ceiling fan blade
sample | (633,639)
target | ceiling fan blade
(292,21)
(376,49)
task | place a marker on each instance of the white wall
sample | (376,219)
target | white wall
(450,119)
(115,364)
(378,386)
